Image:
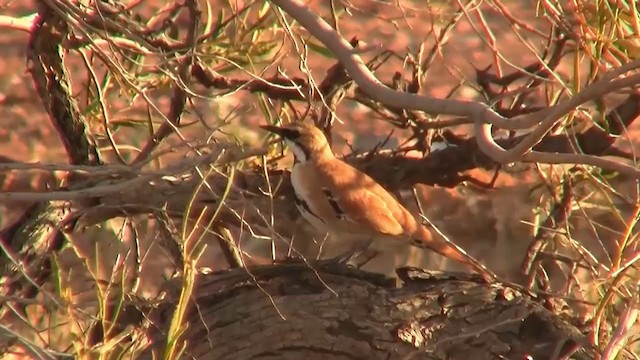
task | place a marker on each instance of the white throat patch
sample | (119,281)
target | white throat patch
(297,151)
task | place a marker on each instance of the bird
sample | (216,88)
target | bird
(338,199)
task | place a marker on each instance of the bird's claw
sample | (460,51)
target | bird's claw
(350,257)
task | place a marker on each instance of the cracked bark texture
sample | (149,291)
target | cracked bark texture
(327,311)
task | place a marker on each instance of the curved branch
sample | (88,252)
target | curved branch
(595,90)
(483,116)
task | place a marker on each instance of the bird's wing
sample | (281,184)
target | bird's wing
(364,201)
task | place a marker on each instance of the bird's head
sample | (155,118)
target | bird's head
(305,140)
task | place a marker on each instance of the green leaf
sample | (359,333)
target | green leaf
(321,49)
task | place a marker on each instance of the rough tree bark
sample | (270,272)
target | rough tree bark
(327,311)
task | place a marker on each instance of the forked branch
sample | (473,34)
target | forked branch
(483,116)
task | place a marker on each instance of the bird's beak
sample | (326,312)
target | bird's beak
(274,129)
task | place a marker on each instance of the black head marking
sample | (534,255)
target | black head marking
(303,139)
(284,132)
(291,134)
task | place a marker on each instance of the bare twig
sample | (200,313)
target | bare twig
(556,219)
(179,95)
(112,187)
(623,329)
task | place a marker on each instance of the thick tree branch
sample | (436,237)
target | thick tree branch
(37,233)
(347,313)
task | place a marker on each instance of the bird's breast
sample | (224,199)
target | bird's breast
(303,185)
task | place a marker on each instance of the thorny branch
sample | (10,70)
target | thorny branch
(95,192)
(467,154)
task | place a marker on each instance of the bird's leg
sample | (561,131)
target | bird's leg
(350,255)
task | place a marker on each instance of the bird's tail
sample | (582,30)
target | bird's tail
(423,238)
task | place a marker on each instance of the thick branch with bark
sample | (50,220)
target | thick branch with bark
(37,234)
(321,311)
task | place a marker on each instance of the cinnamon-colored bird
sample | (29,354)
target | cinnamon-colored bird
(339,199)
